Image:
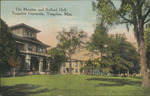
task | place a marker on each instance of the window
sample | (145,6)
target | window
(81,70)
(18,31)
(29,47)
(76,71)
(81,63)
(64,65)
(36,49)
(76,64)
(67,70)
(64,70)
(31,34)
(27,32)
(41,50)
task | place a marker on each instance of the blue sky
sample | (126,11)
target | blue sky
(82,17)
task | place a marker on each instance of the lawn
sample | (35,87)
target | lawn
(71,85)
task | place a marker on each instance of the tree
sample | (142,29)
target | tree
(14,64)
(99,39)
(123,54)
(57,58)
(90,64)
(98,43)
(70,41)
(8,48)
(134,12)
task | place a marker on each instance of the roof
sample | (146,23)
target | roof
(30,39)
(84,55)
(26,26)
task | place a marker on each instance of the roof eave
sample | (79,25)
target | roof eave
(24,25)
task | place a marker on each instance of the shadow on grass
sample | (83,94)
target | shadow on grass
(117,82)
(22,90)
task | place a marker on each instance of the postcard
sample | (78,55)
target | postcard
(67,48)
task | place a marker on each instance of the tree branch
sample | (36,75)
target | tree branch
(147,13)
(147,21)
(142,2)
(128,20)
(112,4)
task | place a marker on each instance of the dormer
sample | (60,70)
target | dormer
(24,30)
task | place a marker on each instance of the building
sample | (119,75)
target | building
(76,68)
(78,63)
(34,59)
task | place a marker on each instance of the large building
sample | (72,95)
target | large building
(34,58)
(76,67)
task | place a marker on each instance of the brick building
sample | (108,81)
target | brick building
(34,59)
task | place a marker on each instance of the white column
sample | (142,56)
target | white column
(27,62)
(48,65)
(40,64)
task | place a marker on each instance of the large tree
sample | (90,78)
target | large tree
(70,41)
(123,54)
(98,42)
(8,48)
(134,12)
(57,58)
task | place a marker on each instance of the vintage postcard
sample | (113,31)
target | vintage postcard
(75,48)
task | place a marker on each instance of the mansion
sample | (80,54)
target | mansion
(34,59)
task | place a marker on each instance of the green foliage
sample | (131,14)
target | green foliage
(147,44)
(57,58)
(146,37)
(123,53)
(127,12)
(8,47)
(118,51)
(70,40)
(133,12)
(98,40)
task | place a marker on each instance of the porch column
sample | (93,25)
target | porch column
(40,64)
(27,62)
(48,65)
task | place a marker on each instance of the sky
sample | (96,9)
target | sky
(80,12)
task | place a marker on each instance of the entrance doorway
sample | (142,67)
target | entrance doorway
(34,64)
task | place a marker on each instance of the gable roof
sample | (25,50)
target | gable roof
(26,26)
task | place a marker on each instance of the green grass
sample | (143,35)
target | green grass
(71,85)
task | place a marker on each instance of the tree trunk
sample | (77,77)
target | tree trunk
(118,72)
(124,74)
(14,72)
(128,73)
(101,72)
(142,55)
(144,72)
(92,69)
(70,66)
